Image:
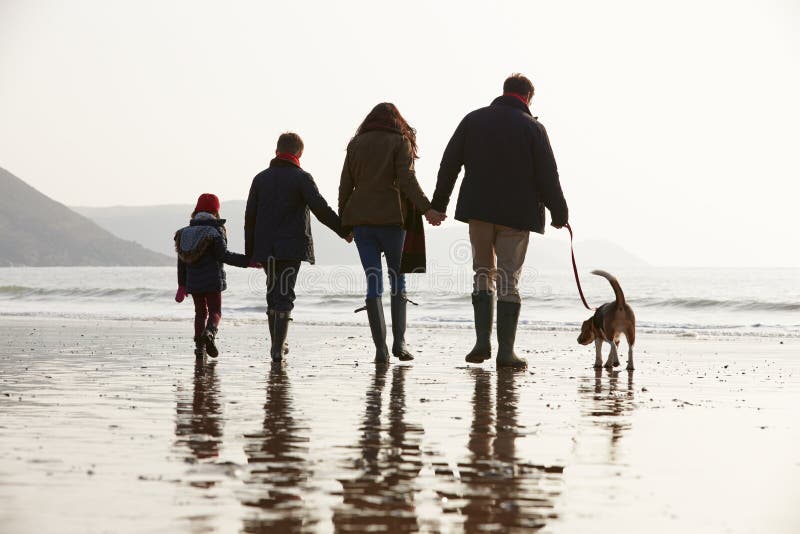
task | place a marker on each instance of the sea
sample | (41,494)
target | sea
(681,301)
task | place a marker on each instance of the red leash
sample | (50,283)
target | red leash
(575,267)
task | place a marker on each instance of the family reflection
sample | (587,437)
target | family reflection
(198,421)
(501,491)
(279,469)
(607,404)
(381,497)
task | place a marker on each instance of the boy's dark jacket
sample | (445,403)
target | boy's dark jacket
(277,223)
(202,249)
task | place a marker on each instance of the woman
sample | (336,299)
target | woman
(378,184)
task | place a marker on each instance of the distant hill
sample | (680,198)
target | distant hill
(38,231)
(154,226)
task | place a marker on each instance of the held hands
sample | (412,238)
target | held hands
(434,218)
(180,294)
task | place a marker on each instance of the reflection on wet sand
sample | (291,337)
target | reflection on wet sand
(500,491)
(605,408)
(104,427)
(277,456)
(198,422)
(381,497)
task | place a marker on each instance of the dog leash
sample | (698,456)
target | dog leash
(575,267)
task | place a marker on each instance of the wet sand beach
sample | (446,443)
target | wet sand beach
(110,426)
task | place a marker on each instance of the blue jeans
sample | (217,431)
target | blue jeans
(371,241)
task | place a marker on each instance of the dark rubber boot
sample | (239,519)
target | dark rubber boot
(507,319)
(271,322)
(199,348)
(208,337)
(377,325)
(281,331)
(483,308)
(399,349)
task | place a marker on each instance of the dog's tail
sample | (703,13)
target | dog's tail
(615,286)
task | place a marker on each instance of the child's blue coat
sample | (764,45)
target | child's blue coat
(202,249)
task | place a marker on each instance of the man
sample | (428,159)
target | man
(277,229)
(510,177)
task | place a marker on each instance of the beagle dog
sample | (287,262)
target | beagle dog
(608,322)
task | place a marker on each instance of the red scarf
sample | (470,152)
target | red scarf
(287,156)
(518,97)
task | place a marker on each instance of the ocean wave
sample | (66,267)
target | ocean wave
(432,300)
(708,303)
(39,293)
(446,300)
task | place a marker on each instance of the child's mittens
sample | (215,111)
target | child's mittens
(180,294)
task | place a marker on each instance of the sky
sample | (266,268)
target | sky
(674,124)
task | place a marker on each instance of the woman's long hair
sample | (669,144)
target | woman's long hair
(386,116)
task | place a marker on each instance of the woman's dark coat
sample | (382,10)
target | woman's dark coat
(202,249)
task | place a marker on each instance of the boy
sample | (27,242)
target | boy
(277,229)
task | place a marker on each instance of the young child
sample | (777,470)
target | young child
(277,229)
(202,249)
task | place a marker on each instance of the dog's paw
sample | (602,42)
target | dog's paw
(598,364)
(630,367)
(609,365)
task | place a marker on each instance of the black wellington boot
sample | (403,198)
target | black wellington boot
(377,325)
(399,349)
(208,337)
(507,319)
(483,308)
(199,348)
(281,331)
(271,322)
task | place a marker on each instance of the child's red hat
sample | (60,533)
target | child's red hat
(207,202)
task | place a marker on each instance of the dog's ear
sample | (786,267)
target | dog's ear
(587,332)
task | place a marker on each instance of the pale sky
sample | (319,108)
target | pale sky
(674,124)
